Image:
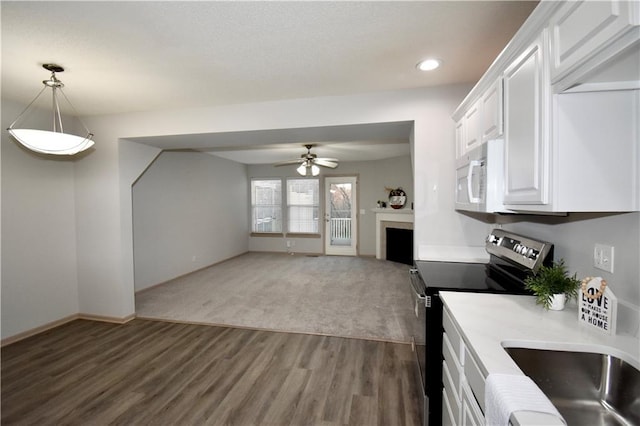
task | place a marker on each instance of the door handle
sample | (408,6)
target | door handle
(413,277)
(472,164)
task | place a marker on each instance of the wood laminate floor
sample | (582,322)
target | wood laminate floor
(163,373)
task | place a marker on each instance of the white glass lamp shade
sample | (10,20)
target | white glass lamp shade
(48,142)
(306,169)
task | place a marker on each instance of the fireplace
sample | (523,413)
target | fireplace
(395,219)
(399,245)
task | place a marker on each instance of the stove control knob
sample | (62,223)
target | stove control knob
(492,239)
(532,254)
(523,250)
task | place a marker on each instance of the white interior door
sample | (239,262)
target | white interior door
(340,216)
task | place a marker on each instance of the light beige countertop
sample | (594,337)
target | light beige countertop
(490,322)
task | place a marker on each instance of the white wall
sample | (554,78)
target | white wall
(373,176)
(190,210)
(39,268)
(436,221)
(99,191)
(574,237)
(103,206)
(104,223)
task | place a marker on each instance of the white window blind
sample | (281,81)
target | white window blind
(303,205)
(266,205)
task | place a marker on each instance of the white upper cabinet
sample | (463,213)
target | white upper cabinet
(481,121)
(584,35)
(460,138)
(526,95)
(472,134)
(491,123)
(567,89)
(596,152)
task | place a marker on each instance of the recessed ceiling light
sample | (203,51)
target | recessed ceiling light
(428,64)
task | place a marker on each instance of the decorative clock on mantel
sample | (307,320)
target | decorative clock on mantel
(397,198)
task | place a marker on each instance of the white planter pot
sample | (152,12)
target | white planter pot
(557,302)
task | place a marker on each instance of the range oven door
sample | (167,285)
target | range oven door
(418,339)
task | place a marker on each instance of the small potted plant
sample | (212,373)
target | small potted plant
(552,285)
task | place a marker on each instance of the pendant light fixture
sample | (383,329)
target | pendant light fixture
(56,141)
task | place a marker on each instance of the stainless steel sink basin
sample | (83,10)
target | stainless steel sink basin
(587,388)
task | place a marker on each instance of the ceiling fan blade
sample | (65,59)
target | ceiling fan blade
(325,163)
(286,163)
(332,160)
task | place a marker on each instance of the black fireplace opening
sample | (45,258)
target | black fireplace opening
(400,245)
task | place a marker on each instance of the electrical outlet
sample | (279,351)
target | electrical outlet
(288,243)
(603,257)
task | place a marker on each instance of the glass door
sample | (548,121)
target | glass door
(341,219)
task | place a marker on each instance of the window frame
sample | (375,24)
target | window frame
(257,233)
(288,205)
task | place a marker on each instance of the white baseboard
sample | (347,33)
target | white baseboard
(57,323)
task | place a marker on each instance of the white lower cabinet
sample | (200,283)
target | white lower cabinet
(471,412)
(447,415)
(459,402)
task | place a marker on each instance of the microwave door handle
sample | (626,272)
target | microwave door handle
(472,164)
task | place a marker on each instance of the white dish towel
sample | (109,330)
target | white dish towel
(507,393)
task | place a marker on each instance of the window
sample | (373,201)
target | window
(266,205)
(303,205)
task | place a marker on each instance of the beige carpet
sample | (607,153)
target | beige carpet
(333,295)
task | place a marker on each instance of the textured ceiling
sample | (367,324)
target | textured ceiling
(148,55)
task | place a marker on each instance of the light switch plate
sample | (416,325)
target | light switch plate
(603,257)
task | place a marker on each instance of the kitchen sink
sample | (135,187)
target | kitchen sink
(587,388)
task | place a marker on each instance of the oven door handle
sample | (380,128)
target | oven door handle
(412,280)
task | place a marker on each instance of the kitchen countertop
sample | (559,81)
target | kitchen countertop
(490,322)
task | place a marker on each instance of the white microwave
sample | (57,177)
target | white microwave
(480,179)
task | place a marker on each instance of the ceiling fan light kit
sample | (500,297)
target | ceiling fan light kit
(309,163)
(308,170)
(54,141)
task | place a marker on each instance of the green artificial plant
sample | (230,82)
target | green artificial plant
(550,280)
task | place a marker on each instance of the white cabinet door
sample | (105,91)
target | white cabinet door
(460,138)
(491,110)
(581,29)
(526,106)
(472,134)
(471,414)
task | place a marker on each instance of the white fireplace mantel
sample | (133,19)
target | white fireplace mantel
(389,215)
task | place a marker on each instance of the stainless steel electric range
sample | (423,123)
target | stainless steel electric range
(512,258)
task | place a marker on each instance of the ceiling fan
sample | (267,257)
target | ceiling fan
(309,163)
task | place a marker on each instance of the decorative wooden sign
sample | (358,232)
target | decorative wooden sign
(598,305)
